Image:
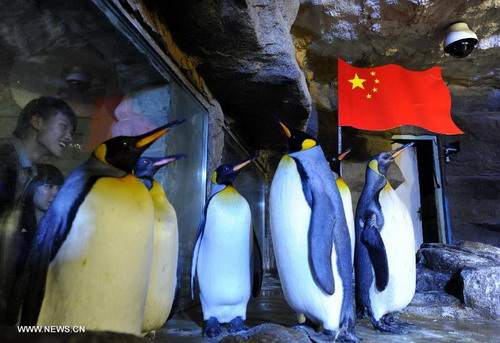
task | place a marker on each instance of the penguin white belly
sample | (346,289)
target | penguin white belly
(345,194)
(223,268)
(163,276)
(99,276)
(290,215)
(399,242)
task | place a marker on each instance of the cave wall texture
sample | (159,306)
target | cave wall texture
(260,58)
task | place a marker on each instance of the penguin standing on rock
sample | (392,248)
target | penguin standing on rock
(163,275)
(311,239)
(345,194)
(384,258)
(226,256)
(91,256)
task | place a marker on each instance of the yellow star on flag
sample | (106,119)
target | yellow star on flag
(377,81)
(373,73)
(357,82)
(374,90)
(368,96)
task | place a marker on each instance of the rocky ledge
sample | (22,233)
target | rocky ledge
(457,281)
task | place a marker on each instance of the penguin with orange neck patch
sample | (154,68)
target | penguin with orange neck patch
(385,256)
(91,256)
(226,257)
(345,194)
(311,239)
(163,275)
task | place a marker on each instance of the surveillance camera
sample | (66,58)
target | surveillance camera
(460,40)
(78,79)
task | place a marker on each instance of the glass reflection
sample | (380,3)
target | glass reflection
(73,52)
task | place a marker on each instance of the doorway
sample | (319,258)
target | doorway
(422,191)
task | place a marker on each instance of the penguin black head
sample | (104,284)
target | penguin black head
(298,140)
(380,163)
(147,166)
(225,174)
(335,161)
(123,152)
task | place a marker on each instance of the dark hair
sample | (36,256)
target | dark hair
(44,107)
(46,174)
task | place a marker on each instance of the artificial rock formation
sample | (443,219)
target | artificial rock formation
(247,60)
(470,272)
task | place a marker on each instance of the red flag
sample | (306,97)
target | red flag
(385,97)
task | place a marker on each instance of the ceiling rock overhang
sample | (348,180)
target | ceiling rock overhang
(247,60)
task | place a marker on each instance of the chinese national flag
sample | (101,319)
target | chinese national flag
(385,97)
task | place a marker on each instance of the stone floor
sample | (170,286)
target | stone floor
(271,307)
(440,318)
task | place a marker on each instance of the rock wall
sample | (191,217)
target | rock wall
(469,272)
(473,175)
(410,34)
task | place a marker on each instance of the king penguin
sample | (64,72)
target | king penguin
(90,261)
(384,258)
(345,194)
(311,239)
(226,256)
(163,275)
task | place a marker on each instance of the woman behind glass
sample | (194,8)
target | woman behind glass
(39,195)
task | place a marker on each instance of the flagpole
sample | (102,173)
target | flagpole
(339,147)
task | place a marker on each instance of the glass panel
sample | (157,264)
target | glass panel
(71,50)
(186,179)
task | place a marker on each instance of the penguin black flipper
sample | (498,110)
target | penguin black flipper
(257,266)
(321,242)
(371,239)
(51,234)
(196,247)
(320,235)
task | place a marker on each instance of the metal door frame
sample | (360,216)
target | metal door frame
(438,194)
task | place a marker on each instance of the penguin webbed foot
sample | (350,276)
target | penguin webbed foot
(347,332)
(212,328)
(348,336)
(387,324)
(316,337)
(150,336)
(361,312)
(389,319)
(237,324)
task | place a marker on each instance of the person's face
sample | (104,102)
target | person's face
(44,195)
(55,134)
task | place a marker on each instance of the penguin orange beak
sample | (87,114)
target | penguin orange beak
(344,154)
(244,163)
(287,131)
(151,136)
(398,151)
(168,159)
